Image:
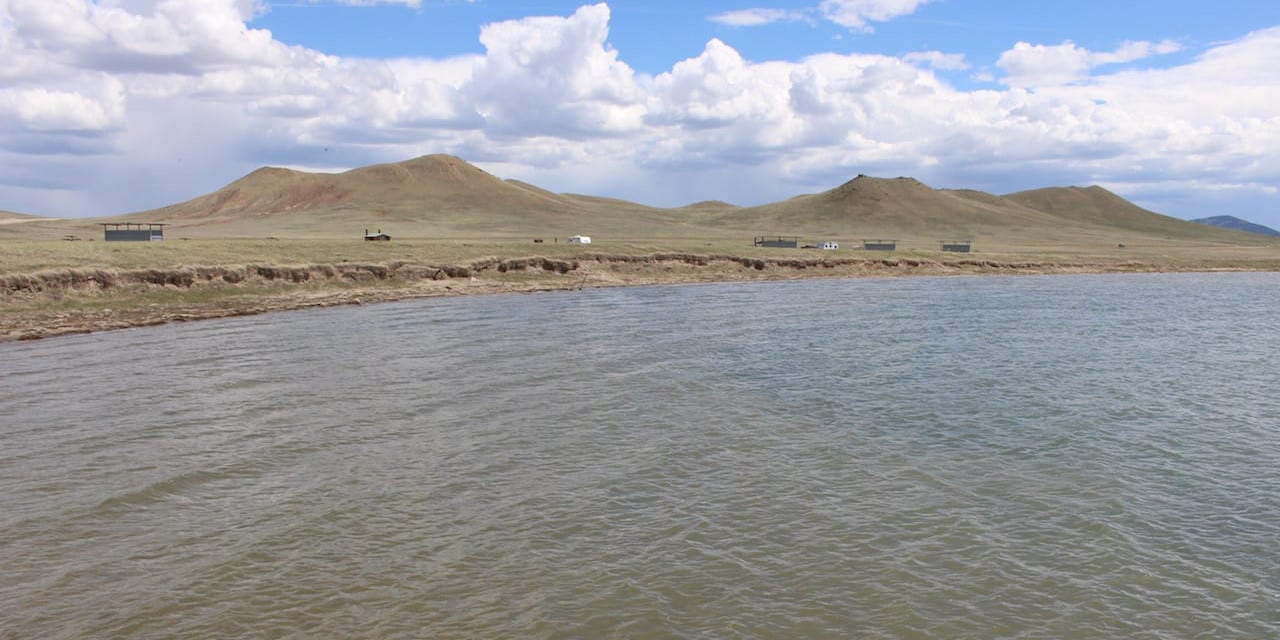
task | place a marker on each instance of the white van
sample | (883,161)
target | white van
(579,239)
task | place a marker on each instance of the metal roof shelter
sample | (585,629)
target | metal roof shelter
(132,231)
(957,246)
(880,245)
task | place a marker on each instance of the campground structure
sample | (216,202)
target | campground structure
(132,231)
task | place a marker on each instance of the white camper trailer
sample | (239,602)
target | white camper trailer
(579,239)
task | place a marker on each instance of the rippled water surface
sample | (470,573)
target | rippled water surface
(1034,457)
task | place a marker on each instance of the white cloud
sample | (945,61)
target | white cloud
(149,36)
(758,17)
(88,110)
(716,89)
(150,102)
(857,14)
(249,9)
(554,76)
(1029,65)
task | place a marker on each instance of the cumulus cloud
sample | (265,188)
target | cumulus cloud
(715,89)
(157,101)
(150,36)
(89,109)
(554,76)
(1029,65)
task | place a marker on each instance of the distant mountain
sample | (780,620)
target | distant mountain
(1232,222)
(710,204)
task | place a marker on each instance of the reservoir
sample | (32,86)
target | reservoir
(979,457)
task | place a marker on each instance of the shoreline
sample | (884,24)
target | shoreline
(69,301)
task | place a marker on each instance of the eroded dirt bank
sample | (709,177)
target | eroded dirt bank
(62,301)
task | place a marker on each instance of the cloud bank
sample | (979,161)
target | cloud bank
(115,106)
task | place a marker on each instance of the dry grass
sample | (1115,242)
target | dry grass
(279,239)
(49,288)
(29,256)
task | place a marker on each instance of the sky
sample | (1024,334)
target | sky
(114,106)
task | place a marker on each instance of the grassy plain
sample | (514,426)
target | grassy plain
(280,239)
(27,256)
(51,287)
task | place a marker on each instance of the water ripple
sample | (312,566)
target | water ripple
(1037,457)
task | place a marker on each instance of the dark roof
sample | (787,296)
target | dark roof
(133,225)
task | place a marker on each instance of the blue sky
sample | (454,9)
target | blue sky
(111,106)
(652,35)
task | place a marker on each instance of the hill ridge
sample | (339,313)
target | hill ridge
(1101,207)
(1238,224)
(445,196)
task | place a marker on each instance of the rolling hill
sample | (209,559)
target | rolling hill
(888,208)
(21,225)
(444,197)
(905,209)
(435,195)
(1098,207)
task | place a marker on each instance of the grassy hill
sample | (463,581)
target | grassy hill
(13,217)
(1098,207)
(20,225)
(898,208)
(431,196)
(441,197)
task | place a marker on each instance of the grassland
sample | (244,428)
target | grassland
(51,287)
(278,239)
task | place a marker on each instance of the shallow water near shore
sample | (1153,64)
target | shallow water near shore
(993,457)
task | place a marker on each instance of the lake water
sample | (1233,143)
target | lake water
(989,457)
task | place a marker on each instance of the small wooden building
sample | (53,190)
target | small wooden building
(376,237)
(880,245)
(957,246)
(132,231)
